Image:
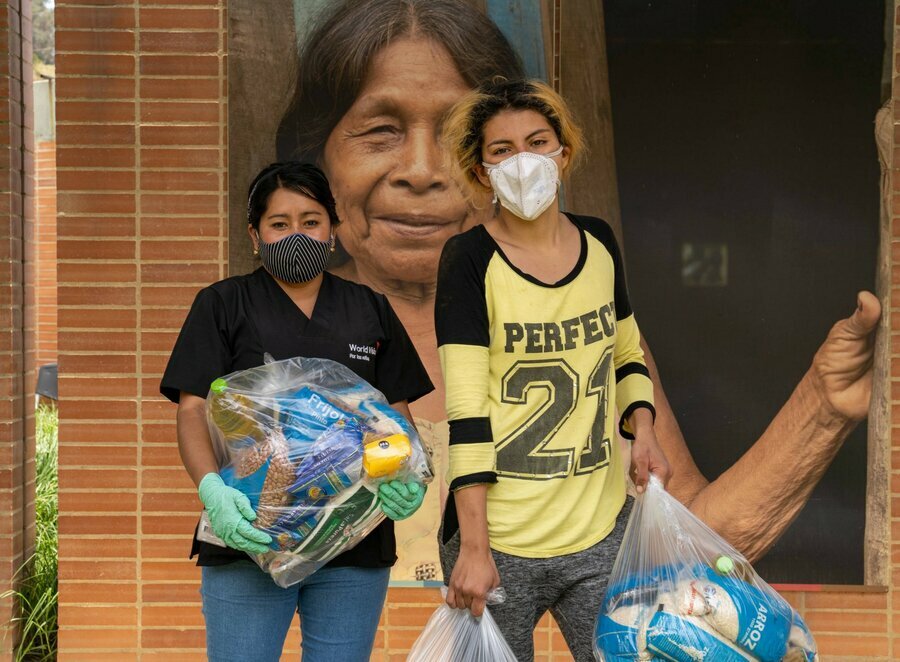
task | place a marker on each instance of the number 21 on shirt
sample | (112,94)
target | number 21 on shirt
(524,452)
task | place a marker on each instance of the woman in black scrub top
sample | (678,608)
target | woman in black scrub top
(288,307)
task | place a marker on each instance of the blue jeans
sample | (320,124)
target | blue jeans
(248,615)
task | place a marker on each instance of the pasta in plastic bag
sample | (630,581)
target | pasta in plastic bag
(308,441)
(679,592)
(454,635)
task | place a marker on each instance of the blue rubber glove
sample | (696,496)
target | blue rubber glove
(400,500)
(230,515)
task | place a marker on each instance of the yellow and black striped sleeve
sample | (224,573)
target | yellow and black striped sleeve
(634,389)
(463,338)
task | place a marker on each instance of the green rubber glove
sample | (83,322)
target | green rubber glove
(230,515)
(400,500)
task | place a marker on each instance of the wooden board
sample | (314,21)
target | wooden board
(260,85)
(521,21)
(878,467)
(584,82)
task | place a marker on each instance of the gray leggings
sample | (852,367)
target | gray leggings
(571,587)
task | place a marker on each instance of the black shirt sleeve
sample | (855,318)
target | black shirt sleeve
(201,353)
(601,230)
(399,370)
(460,310)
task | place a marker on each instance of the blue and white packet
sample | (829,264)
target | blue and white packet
(680,592)
(306,414)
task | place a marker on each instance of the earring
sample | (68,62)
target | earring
(255,251)
(332,243)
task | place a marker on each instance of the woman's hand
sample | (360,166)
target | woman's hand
(230,515)
(473,576)
(400,500)
(647,458)
(475,572)
(843,365)
(646,455)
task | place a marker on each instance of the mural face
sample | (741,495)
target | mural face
(394,193)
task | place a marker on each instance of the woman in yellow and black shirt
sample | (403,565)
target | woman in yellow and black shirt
(539,348)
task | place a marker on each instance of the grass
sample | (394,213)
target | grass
(37,593)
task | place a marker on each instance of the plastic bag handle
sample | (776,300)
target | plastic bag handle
(495,596)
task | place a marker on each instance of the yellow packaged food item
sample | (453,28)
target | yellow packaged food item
(385,456)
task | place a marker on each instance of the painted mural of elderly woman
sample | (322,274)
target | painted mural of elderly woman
(375,79)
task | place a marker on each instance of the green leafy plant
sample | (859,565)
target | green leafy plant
(37,592)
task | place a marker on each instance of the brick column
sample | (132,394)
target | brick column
(16,298)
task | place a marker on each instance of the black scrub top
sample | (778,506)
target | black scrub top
(234,322)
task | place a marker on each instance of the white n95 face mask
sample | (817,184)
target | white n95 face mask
(526,183)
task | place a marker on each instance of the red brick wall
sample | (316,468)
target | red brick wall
(141,157)
(140,172)
(46,252)
(16,299)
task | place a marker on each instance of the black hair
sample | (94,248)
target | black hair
(334,63)
(304,178)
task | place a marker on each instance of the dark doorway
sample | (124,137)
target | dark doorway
(749,187)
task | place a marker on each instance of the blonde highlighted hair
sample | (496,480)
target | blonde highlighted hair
(463,130)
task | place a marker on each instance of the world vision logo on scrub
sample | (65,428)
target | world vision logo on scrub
(539,337)
(362,352)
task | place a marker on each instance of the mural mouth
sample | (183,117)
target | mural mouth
(416,225)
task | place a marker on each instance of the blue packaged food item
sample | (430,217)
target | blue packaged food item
(706,612)
(618,631)
(306,414)
(687,639)
(758,621)
(679,592)
(250,485)
(375,411)
(332,464)
(294,526)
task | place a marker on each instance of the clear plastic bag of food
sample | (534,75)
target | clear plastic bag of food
(308,442)
(454,635)
(680,592)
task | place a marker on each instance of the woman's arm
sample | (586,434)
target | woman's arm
(229,510)
(646,455)
(403,408)
(474,573)
(194,444)
(463,335)
(754,501)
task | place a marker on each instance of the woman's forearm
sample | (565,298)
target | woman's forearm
(474,573)
(471,510)
(194,444)
(754,501)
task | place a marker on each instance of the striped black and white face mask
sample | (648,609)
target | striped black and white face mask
(297,258)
